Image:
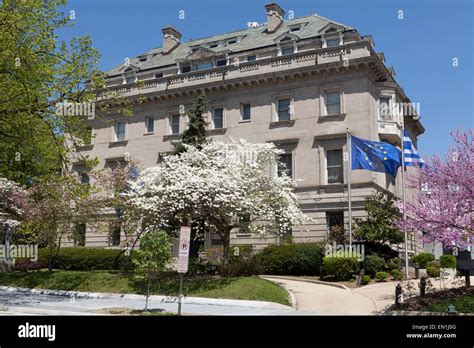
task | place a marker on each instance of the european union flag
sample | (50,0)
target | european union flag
(375,156)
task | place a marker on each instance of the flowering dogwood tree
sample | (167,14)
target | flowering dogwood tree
(443,206)
(223,184)
(11,210)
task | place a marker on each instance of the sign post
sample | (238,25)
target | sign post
(183,260)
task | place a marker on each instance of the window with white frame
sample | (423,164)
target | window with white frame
(334,166)
(245,112)
(385,111)
(150,124)
(218,118)
(333,103)
(129,78)
(174,124)
(120,131)
(283,108)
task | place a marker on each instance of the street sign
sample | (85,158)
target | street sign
(184,243)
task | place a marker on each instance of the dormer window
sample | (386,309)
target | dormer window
(221,62)
(129,79)
(203,66)
(232,42)
(158,75)
(143,59)
(214,45)
(332,42)
(251,58)
(295,28)
(287,50)
(186,69)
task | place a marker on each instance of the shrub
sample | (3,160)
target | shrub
(85,258)
(381,276)
(394,264)
(24,265)
(373,264)
(242,267)
(433,264)
(381,250)
(291,259)
(422,259)
(342,268)
(240,251)
(447,261)
(365,280)
(432,271)
(396,274)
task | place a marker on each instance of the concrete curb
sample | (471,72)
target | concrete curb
(165,299)
(291,294)
(337,285)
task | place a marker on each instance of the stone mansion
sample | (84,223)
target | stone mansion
(299,83)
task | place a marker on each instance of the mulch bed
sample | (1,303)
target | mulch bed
(417,303)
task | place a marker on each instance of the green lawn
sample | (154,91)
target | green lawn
(241,288)
(463,304)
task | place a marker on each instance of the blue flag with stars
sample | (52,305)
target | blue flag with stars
(375,156)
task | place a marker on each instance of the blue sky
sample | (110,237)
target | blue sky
(420,47)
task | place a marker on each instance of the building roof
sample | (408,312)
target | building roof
(250,39)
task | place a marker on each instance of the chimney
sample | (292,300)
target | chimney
(170,39)
(274,17)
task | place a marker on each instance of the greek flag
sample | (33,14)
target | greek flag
(412,158)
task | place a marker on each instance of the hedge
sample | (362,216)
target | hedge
(291,259)
(373,264)
(85,258)
(447,261)
(422,259)
(342,268)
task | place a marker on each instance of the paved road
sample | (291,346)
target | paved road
(22,302)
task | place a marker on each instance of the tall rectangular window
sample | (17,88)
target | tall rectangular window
(245,112)
(85,178)
(120,131)
(218,118)
(80,235)
(333,103)
(335,172)
(174,124)
(285,165)
(150,124)
(384,108)
(283,109)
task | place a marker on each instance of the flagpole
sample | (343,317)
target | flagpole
(404,200)
(349,153)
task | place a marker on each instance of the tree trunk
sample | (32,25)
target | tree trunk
(147,292)
(225,236)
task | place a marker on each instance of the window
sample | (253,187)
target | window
(115,235)
(85,178)
(80,235)
(245,112)
(384,108)
(285,165)
(186,69)
(203,66)
(332,42)
(287,50)
(143,59)
(174,124)
(129,79)
(334,166)
(251,58)
(158,75)
(213,45)
(150,124)
(232,42)
(218,118)
(333,103)
(335,226)
(283,109)
(244,224)
(295,28)
(119,131)
(221,62)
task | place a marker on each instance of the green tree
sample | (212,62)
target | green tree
(38,74)
(195,135)
(152,257)
(377,226)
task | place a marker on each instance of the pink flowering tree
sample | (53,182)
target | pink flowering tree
(443,204)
